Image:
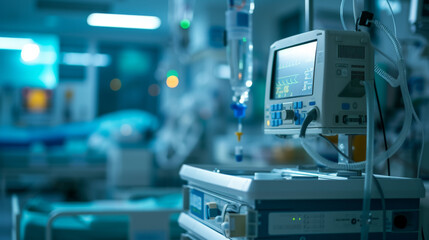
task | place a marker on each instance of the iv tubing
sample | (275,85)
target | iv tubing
(406,125)
(354,10)
(342,15)
(369,162)
(393,17)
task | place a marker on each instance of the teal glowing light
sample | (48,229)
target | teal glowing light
(172,72)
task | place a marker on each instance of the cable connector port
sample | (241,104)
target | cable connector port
(365,18)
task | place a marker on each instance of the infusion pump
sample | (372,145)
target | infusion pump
(319,69)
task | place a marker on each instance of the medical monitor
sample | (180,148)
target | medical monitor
(293,75)
(318,69)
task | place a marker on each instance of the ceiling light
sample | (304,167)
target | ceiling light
(86,59)
(123,21)
(14,43)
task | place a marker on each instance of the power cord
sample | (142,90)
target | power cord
(311,116)
(382,126)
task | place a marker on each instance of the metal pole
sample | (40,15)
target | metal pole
(309,15)
(345,145)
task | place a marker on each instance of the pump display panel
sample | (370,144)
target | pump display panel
(293,74)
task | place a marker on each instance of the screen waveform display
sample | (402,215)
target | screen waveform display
(294,71)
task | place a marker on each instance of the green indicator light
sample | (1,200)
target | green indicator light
(172,72)
(244,39)
(299,219)
(185,24)
(293,219)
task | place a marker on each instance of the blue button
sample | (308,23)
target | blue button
(273,107)
(300,104)
(280,122)
(278,115)
(345,106)
(280,107)
(297,121)
(275,123)
(295,105)
(297,118)
(312,103)
(273,115)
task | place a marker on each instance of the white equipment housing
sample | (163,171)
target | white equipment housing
(318,69)
(259,203)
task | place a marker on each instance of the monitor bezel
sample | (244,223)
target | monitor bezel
(273,69)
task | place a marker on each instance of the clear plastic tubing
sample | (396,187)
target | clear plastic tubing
(369,161)
(240,47)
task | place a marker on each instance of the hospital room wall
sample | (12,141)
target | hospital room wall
(76,94)
(6,100)
(134,65)
(90,86)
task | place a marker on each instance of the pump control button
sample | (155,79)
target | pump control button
(288,116)
(295,105)
(297,118)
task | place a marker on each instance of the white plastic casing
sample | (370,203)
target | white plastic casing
(341,110)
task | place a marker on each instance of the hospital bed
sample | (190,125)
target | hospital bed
(153,218)
(71,151)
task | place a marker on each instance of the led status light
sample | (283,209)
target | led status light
(172,81)
(115,84)
(185,24)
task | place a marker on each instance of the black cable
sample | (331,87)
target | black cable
(382,126)
(311,116)
(383,204)
(423,234)
(357,24)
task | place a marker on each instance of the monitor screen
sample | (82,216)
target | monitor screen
(293,71)
(37,100)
